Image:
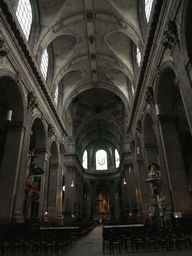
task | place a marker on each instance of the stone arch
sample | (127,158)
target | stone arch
(38,136)
(11,110)
(11,140)
(54,153)
(185,31)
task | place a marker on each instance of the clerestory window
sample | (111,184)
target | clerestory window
(85,160)
(44,64)
(132,89)
(138,55)
(24,16)
(56,96)
(117,158)
(101,160)
(148,6)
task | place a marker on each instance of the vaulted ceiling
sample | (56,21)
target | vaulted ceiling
(92,44)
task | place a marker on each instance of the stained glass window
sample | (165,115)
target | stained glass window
(24,16)
(117,158)
(101,160)
(84,160)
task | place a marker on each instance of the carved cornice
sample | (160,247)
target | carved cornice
(146,57)
(3,49)
(62,148)
(138,128)
(51,131)
(32,101)
(149,95)
(170,35)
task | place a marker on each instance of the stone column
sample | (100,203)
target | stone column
(112,200)
(41,162)
(45,188)
(116,199)
(129,189)
(93,200)
(10,170)
(174,165)
(17,215)
(70,188)
(52,194)
(89,199)
(168,205)
(143,191)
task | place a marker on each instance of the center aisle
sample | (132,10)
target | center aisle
(89,245)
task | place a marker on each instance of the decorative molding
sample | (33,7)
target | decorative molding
(157,7)
(149,95)
(18,77)
(62,148)
(51,131)
(138,128)
(170,35)
(3,49)
(32,100)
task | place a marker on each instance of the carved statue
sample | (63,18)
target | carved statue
(161,199)
(152,170)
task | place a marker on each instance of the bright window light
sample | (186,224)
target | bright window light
(138,54)
(44,64)
(101,160)
(132,89)
(84,160)
(24,16)
(117,158)
(148,6)
(56,95)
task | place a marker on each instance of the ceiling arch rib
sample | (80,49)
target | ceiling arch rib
(77,64)
(122,47)
(93,133)
(86,88)
(97,114)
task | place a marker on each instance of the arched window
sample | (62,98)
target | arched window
(117,158)
(44,64)
(24,16)
(56,96)
(148,6)
(138,55)
(85,160)
(132,89)
(101,160)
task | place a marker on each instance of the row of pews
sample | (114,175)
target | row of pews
(139,237)
(22,238)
